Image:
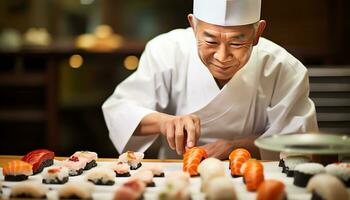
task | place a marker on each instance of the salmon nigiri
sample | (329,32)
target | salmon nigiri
(271,190)
(237,158)
(253,174)
(17,170)
(192,159)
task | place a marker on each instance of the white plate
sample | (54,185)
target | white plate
(309,143)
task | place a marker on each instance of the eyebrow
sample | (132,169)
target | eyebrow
(238,37)
(207,34)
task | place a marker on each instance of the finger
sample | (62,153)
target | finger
(197,125)
(170,135)
(191,132)
(179,137)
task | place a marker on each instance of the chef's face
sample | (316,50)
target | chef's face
(225,50)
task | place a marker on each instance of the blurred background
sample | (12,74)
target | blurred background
(61,59)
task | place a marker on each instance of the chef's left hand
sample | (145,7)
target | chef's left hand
(219,149)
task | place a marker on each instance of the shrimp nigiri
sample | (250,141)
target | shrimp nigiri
(17,170)
(192,158)
(237,158)
(271,190)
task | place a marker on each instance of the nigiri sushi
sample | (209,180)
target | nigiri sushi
(75,165)
(76,190)
(174,190)
(326,186)
(28,190)
(101,176)
(253,174)
(155,169)
(271,190)
(17,170)
(132,189)
(221,188)
(134,159)
(340,170)
(146,176)
(55,175)
(192,159)
(237,157)
(121,169)
(90,158)
(210,168)
(40,159)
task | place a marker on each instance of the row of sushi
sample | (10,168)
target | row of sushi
(196,162)
(302,169)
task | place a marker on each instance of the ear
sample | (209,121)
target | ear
(190,18)
(259,32)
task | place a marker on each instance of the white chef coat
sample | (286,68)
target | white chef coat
(269,95)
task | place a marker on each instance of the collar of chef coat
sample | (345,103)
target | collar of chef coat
(229,106)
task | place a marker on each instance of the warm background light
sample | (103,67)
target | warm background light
(131,62)
(75,61)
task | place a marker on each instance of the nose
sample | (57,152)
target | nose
(223,54)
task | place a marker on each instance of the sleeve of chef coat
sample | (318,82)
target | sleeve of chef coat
(291,109)
(142,93)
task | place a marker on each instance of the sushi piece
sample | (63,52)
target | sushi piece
(28,190)
(17,170)
(146,176)
(91,158)
(327,187)
(101,176)
(284,155)
(340,170)
(192,158)
(134,159)
(271,190)
(221,188)
(76,190)
(237,157)
(55,175)
(40,159)
(210,168)
(132,189)
(291,162)
(121,169)
(175,190)
(303,172)
(177,175)
(155,169)
(75,165)
(253,174)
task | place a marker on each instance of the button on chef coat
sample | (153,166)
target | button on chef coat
(269,95)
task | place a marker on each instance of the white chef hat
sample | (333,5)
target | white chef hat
(227,12)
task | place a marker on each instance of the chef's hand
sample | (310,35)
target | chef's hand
(220,149)
(180,131)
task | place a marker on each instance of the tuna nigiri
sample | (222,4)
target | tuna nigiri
(237,158)
(192,158)
(40,159)
(271,190)
(253,174)
(17,170)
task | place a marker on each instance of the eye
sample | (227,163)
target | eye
(211,42)
(236,45)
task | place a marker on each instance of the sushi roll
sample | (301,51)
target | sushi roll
(76,190)
(75,165)
(17,170)
(134,159)
(237,157)
(101,176)
(40,159)
(146,176)
(55,175)
(28,190)
(271,190)
(253,174)
(155,169)
(340,170)
(327,187)
(221,188)
(192,158)
(291,162)
(303,173)
(121,169)
(284,155)
(209,169)
(91,158)
(175,190)
(132,189)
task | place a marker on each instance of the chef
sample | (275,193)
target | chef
(217,84)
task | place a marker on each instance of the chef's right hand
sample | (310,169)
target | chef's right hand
(180,131)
